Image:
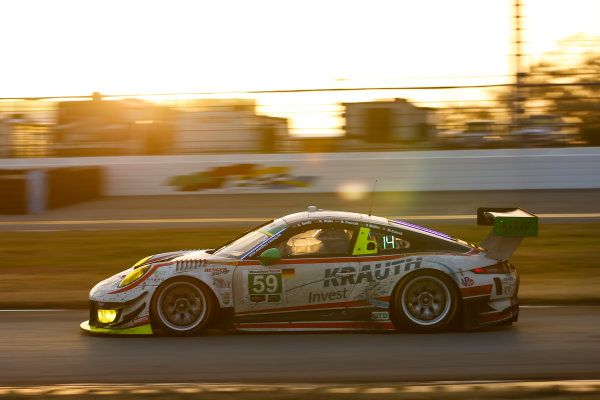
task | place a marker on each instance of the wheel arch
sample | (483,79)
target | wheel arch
(436,271)
(433,270)
(216,306)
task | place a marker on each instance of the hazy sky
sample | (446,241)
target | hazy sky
(75,47)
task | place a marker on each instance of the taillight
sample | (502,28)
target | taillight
(501,268)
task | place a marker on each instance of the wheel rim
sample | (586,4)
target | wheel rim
(181,306)
(426,300)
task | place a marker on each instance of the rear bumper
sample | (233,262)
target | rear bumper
(478,314)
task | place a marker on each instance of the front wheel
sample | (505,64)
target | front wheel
(181,307)
(425,301)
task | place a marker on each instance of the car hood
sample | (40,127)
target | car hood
(199,255)
(162,257)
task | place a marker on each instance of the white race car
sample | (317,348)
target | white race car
(322,270)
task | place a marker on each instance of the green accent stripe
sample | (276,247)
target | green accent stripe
(138,330)
(274,230)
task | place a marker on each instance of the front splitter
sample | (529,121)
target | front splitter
(137,330)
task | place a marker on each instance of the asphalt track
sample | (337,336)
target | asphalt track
(247,210)
(548,343)
(563,343)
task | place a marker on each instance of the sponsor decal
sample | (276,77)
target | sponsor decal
(328,296)
(261,298)
(257,298)
(508,286)
(216,270)
(158,276)
(226,296)
(370,273)
(466,281)
(274,298)
(241,176)
(221,283)
(380,316)
(288,272)
(144,319)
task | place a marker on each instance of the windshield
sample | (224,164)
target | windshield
(249,241)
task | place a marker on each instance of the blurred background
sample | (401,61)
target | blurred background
(231,97)
(108,79)
(142,114)
(130,128)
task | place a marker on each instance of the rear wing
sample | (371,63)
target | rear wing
(510,226)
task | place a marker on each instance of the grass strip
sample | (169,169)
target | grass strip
(57,269)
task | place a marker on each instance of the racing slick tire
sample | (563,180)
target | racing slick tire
(424,301)
(181,307)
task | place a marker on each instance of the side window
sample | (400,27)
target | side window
(375,241)
(388,242)
(318,241)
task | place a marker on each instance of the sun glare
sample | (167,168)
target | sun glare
(235,46)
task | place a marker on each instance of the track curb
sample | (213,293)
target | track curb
(442,389)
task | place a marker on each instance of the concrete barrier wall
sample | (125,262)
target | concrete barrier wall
(38,188)
(553,168)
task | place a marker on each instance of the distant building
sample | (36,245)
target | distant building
(192,126)
(229,125)
(393,122)
(21,137)
(112,127)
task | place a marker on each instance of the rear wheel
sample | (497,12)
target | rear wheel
(181,307)
(425,301)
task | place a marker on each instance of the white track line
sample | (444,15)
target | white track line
(35,310)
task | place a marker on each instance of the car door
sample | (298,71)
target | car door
(384,261)
(312,283)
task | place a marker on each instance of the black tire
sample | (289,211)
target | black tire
(424,301)
(181,307)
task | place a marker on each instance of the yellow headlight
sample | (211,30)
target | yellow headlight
(134,275)
(107,316)
(143,260)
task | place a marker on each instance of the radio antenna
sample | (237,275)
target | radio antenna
(372,195)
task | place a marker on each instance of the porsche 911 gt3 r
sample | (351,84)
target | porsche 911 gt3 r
(322,270)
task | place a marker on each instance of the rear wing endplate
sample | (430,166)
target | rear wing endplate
(510,226)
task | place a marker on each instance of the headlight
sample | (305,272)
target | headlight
(143,260)
(134,275)
(107,316)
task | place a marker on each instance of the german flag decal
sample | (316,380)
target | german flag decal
(288,272)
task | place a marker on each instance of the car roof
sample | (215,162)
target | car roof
(356,217)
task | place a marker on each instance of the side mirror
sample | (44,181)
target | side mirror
(269,256)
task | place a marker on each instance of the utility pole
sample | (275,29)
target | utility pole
(518,95)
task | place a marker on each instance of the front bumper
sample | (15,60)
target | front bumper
(136,330)
(131,317)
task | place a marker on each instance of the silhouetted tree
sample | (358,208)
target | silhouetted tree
(581,101)
(566,82)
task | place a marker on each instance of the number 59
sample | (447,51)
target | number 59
(261,284)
